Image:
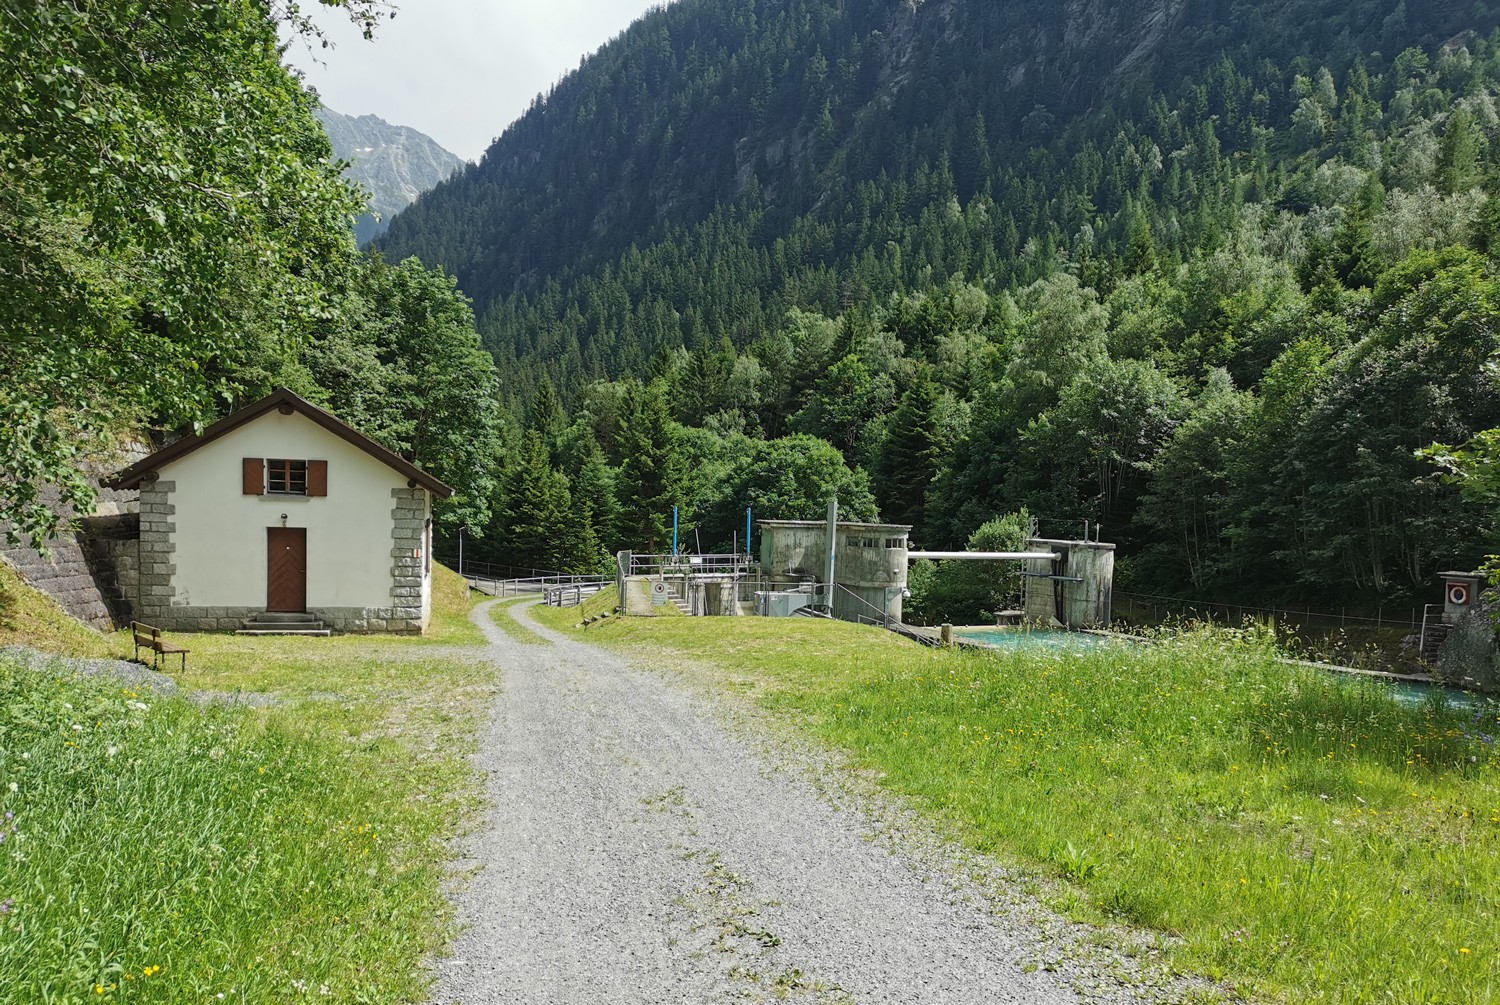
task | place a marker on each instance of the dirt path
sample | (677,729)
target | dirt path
(638,852)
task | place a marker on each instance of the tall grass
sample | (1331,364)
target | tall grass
(160,851)
(1307,836)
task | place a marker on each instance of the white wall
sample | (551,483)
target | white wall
(221,533)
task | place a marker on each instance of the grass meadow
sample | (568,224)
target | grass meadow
(1303,836)
(158,850)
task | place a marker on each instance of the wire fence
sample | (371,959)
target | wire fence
(1135,606)
(493,570)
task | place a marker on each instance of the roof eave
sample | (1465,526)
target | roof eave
(132,476)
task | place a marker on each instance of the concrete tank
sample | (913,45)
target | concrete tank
(1075,591)
(869,563)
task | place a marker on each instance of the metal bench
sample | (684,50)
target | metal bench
(147,637)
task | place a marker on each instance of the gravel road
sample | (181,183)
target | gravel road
(640,851)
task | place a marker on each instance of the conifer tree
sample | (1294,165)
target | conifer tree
(651,474)
(545,417)
(535,519)
(1458,154)
(594,488)
(908,461)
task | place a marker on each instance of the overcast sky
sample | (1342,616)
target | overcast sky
(459,70)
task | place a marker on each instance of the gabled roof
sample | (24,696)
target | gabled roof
(287,403)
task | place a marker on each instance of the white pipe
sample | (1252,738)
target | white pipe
(984,556)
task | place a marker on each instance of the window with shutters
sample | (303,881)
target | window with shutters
(286,477)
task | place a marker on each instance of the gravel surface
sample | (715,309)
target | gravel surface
(134,675)
(642,850)
(130,674)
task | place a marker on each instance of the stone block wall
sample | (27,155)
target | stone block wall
(345,620)
(368,620)
(155,569)
(112,546)
(78,574)
(408,543)
(65,577)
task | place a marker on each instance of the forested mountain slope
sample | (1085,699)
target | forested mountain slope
(1209,273)
(847,114)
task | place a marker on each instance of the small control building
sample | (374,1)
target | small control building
(868,563)
(281,509)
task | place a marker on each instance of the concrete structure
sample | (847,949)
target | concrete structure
(700,585)
(1076,589)
(869,564)
(281,507)
(1461,594)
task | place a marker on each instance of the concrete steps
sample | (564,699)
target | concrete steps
(678,601)
(1433,637)
(283,623)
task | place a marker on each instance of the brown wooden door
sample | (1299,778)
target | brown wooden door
(286,569)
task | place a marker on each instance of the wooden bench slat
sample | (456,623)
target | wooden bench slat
(149,637)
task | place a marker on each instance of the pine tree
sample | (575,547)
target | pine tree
(535,519)
(908,461)
(651,475)
(594,488)
(1458,155)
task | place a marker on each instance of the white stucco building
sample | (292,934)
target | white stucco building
(282,508)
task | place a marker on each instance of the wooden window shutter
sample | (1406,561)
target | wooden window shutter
(254,476)
(317,478)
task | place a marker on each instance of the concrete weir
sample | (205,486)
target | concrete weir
(1075,588)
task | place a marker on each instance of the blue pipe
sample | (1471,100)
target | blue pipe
(674,531)
(748,552)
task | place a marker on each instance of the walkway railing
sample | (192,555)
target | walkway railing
(1234,614)
(573,595)
(694,565)
(876,615)
(527,586)
(493,570)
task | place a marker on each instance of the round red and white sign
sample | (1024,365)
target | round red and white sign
(1458,594)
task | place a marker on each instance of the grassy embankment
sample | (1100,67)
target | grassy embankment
(1309,838)
(160,851)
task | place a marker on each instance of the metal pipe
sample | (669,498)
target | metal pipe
(833,539)
(984,556)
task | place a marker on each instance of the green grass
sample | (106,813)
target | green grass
(564,618)
(1309,839)
(502,614)
(451,602)
(282,854)
(29,617)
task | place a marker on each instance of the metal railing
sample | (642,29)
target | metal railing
(525,586)
(1235,614)
(469,568)
(1434,631)
(691,565)
(573,595)
(879,616)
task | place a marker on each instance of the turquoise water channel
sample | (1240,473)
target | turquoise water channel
(1055,639)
